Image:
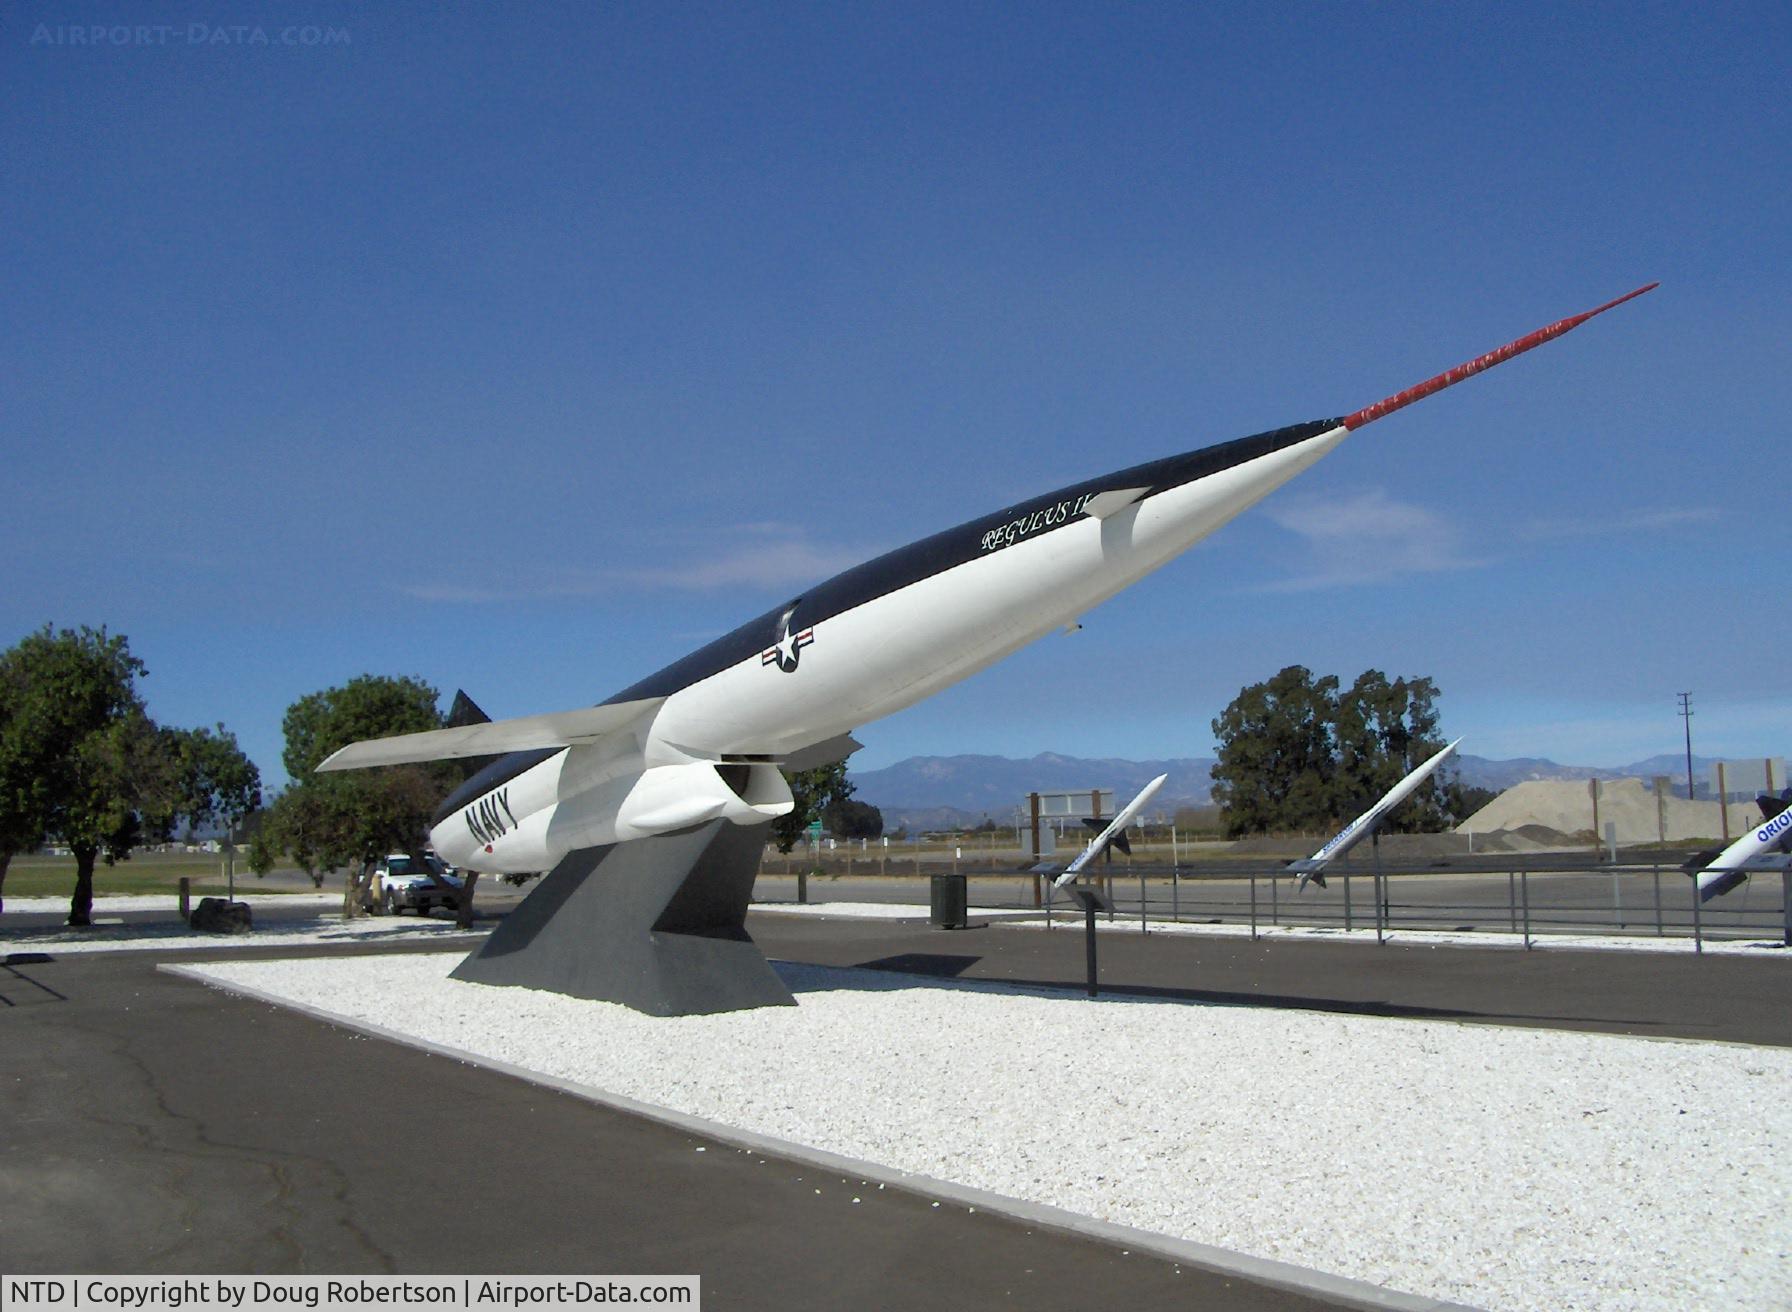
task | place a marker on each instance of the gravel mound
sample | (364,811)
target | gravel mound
(1565,807)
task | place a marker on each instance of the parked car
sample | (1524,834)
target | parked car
(400,882)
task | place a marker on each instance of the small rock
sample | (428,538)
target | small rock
(216,915)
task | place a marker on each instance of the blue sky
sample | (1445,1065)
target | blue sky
(526,348)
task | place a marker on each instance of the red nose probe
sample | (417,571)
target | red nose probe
(1400,400)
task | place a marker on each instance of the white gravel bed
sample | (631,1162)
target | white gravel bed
(875,910)
(174,934)
(1499,1167)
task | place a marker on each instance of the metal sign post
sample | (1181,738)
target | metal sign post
(1092,902)
(1381,890)
(1698,921)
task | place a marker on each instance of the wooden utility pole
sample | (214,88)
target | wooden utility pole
(1107,857)
(1593,790)
(1686,714)
(1033,805)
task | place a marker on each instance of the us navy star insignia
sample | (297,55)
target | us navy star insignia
(789,647)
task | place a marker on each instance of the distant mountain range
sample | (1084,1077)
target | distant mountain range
(1481,772)
(942,792)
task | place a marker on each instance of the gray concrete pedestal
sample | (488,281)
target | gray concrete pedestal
(657,924)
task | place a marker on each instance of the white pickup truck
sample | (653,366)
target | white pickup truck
(399,882)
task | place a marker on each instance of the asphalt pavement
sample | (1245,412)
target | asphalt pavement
(155,1125)
(1646,994)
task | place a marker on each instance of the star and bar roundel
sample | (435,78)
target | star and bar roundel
(788,650)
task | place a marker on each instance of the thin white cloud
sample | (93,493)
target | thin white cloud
(453,592)
(765,564)
(1634,521)
(758,556)
(1366,538)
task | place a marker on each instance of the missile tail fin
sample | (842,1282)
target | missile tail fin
(464,712)
(1717,882)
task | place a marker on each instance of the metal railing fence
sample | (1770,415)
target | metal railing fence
(1534,899)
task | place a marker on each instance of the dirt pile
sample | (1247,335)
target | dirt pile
(1566,806)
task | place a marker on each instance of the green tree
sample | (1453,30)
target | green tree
(846,817)
(369,706)
(349,820)
(1462,800)
(1276,754)
(118,791)
(1386,728)
(24,799)
(81,759)
(1298,754)
(79,725)
(814,790)
(217,784)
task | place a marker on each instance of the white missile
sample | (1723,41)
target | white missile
(1758,849)
(1350,835)
(1099,843)
(703,739)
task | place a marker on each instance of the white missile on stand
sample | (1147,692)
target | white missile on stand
(1313,867)
(1101,842)
(1761,848)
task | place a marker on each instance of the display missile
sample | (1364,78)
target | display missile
(1761,848)
(1313,867)
(1100,842)
(703,739)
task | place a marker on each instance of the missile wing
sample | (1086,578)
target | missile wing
(524,733)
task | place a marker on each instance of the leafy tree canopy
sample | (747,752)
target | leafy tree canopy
(847,818)
(352,818)
(1299,752)
(81,759)
(217,783)
(370,706)
(1276,763)
(24,781)
(815,790)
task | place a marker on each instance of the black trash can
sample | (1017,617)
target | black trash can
(950,902)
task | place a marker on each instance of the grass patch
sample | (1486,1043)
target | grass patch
(145,873)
